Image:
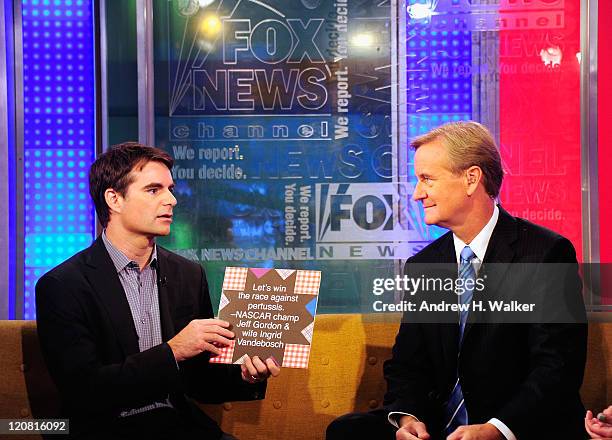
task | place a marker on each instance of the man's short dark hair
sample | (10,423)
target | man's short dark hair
(112,169)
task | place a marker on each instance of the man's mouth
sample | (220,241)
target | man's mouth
(168,216)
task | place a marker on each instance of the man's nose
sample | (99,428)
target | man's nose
(171,199)
(418,193)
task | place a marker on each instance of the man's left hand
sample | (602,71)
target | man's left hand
(597,429)
(476,432)
(255,370)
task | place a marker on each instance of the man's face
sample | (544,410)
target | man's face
(147,206)
(442,193)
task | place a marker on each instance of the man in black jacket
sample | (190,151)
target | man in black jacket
(477,376)
(126,327)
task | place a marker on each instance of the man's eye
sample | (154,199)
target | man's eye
(152,190)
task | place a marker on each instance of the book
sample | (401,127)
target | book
(271,312)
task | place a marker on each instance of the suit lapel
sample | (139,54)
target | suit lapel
(498,257)
(504,234)
(500,251)
(446,249)
(102,275)
(166,279)
(448,332)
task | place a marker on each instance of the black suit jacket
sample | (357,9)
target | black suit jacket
(526,375)
(90,344)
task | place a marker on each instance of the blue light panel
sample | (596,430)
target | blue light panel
(59,136)
(439,82)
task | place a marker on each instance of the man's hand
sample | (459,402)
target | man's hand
(411,429)
(486,431)
(198,336)
(255,370)
(598,429)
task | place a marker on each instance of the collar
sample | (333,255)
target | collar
(120,260)
(480,243)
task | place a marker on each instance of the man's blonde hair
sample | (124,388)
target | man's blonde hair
(468,143)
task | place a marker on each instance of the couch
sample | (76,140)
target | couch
(345,375)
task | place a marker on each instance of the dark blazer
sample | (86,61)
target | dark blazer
(90,344)
(526,375)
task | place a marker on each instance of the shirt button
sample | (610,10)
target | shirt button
(143,320)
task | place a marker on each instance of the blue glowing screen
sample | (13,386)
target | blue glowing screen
(59,136)
(438,89)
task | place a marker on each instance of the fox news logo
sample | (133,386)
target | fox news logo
(364,212)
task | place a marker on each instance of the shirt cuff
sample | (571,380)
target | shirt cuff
(502,428)
(394,417)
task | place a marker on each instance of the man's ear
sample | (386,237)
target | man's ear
(114,200)
(473,176)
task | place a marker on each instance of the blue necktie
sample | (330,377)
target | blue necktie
(456,414)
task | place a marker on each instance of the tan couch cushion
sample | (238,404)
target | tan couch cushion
(345,375)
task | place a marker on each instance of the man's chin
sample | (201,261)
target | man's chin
(430,220)
(434,221)
(161,232)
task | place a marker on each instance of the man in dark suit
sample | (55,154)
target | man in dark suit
(465,379)
(126,327)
